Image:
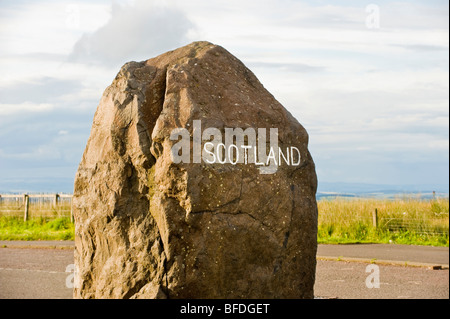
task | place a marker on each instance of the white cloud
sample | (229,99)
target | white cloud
(43,152)
(367,97)
(442,145)
(135,31)
(28,107)
(45,26)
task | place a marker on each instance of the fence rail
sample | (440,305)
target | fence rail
(432,227)
(14,204)
(51,205)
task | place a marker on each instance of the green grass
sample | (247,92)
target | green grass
(14,228)
(402,221)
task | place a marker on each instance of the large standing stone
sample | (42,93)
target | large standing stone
(147,227)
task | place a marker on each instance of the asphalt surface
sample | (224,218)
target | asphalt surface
(43,270)
(347,280)
(387,254)
(58,244)
(31,273)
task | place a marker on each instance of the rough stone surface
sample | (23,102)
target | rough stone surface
(149,228)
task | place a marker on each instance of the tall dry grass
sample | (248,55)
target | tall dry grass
(46,221)
(38,208)
(404,220)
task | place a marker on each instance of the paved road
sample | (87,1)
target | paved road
(34,273)
(58,244)
(27,272)
(347,280)
(388,254)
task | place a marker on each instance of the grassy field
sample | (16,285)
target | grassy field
(13,228)
(45,221)
(400,221)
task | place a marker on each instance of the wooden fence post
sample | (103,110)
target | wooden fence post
(26,202)
(71,209)
(55,200)
(375,218)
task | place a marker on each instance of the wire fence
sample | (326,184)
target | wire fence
(428,227)
(31,206)
(433,218)
(428,217)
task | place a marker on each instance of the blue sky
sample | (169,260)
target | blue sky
(373,97)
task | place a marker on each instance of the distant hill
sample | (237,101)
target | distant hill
(326,189)
(54,185)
